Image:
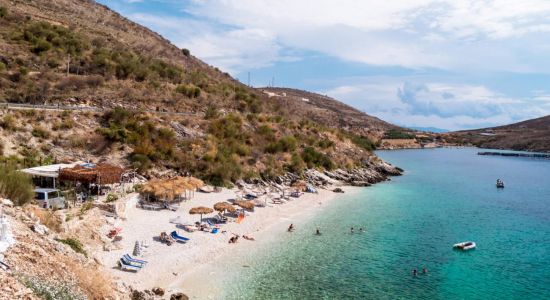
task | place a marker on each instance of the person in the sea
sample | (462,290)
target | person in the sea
(361,229)
(351,229)
(291,227)
(415,272)
(424,271)
(317,232)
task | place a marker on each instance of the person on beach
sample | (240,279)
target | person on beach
(291,228)
(415,272)
(317,232)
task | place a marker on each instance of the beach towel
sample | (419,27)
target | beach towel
(240,218)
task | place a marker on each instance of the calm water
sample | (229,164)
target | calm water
(446,196)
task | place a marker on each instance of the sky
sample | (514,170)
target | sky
(451,64)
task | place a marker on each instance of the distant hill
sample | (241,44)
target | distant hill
(530,135)
(428,129)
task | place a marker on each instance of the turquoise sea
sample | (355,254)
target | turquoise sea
(446,196)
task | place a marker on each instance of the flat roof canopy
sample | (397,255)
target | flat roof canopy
(49,170)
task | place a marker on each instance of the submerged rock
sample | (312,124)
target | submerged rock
(179,296)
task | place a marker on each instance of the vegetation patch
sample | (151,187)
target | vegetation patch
(15,185)
(75,244)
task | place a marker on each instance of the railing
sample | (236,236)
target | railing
(8,105)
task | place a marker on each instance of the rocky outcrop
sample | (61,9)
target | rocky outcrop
(372,172)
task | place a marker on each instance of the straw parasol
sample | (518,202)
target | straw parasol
(245,204)
(200,211)
(224,206)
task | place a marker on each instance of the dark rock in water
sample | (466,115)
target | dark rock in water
(138,295)
(179,296)
(158,291)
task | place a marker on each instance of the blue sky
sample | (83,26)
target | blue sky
(453,64)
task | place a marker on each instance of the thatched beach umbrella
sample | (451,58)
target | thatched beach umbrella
(197,183)
(200,210)
(245,204)
(224,206)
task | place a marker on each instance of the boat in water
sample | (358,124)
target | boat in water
(500,184)
(465,246)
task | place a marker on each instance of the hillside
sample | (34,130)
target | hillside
(530,135)
(326,110)
(79,53)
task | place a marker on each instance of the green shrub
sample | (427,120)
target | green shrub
(3,12)
(398,134)
(39,132)
(313,158)
(2,66)
(8,122)
(190,91)
(75,244)
(51,290)
(185,52)
(285,144)
(15,185)
(211,113)
(111,198)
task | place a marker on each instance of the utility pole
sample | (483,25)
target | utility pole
(68,64)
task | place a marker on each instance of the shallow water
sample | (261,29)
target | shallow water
(446,196)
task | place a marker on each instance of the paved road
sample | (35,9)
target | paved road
(82,108)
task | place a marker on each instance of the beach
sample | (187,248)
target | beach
(174,267)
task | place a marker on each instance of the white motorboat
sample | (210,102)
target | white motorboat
(465,246)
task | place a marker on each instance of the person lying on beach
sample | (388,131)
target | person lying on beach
(233,239)
(291,228)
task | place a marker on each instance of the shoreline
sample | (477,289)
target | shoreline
(180,267)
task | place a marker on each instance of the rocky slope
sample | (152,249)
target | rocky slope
(78,53)
(530,135)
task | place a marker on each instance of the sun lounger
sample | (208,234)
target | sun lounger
(151,207)
(172,207)
(178,237)
(215,230)
(128,267)
(134,261)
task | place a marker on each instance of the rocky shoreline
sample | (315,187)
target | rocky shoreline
(370,173)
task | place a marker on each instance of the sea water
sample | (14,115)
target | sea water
(446,196)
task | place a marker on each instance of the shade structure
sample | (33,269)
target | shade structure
(200,210)
(102,173)
(245,204)
(170,189)
(224,206)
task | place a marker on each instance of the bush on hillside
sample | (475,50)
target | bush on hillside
(313,159)
(185,52)
(15,185)
(3,12)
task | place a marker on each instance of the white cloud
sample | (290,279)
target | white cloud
(450,106)
(445,34)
